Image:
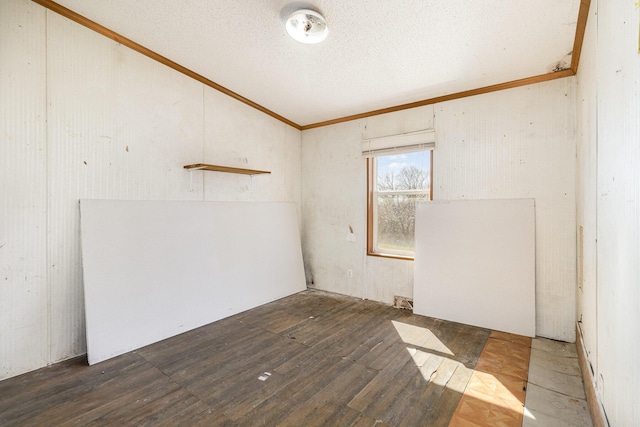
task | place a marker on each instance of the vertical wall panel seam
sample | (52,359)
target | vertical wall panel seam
(204,141)
(597,203)
(47,186)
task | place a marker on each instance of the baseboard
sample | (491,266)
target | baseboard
(596,410)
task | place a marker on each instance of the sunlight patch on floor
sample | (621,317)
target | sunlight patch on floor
(420,337)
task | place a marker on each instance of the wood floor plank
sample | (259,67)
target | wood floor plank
(372,392)
(300,384)
(301,388)
(375,343)
(345,387)
(464,342)
(319,327)
(79,380)
(230,378)
(328,414)
(278,324)
(401,397)
(384,354)
(348,338)
(467,345)
(334,360)
(450,398)
(153,409)
(135,384)
(223,347)
(193,341)
(431,407)
(270,316)
(338,380)
(206,418)
(31,386)
(218,361)
(428,364)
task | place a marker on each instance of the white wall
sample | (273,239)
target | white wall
(586,189)
(609,209)
(518,143)
(334,186)
(24,292)
(84,117)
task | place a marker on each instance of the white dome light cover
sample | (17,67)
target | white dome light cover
(307,26)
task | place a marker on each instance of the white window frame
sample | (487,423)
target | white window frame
(389,145)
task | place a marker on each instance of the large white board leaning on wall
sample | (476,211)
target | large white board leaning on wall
(155,269)
(475,263)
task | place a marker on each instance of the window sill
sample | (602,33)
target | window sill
(404,257)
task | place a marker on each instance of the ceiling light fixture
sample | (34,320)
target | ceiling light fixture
(307,26)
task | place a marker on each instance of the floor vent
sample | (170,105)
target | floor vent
(403,303)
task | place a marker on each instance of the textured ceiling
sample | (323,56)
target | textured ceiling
(379,53)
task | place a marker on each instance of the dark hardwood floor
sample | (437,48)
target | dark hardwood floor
(329,360)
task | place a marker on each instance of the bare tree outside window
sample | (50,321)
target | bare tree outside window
(399,186)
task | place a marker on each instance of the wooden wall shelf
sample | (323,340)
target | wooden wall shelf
(216,168)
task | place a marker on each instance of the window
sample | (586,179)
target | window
(396,182)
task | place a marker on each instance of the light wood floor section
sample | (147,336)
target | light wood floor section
(495,394)
(332,360)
